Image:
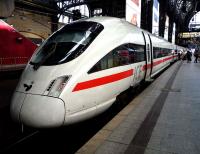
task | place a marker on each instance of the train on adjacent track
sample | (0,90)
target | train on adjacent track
(15,49)
(79,71)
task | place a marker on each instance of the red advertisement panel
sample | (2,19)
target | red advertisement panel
(136,2)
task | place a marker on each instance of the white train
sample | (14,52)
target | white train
(79,71)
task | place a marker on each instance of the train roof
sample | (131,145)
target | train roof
(108,21)
(122,26)
(104,20)
(112,21)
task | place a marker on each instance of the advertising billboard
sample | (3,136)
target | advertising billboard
(133,11)
(166,28)
(173,33)
(155,18)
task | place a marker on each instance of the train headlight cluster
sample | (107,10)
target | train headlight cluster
(56,86)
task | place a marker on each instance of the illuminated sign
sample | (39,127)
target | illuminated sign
(136,2)
(189,34)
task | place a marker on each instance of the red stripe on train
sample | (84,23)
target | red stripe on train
(148,66)
(103,80)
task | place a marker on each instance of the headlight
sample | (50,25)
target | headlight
(56,86)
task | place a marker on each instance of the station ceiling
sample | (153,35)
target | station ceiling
(180,10)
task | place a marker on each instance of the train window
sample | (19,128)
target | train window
(157,52)
(120,56)
(161,52)
(67,43)
(117,57)
(166,52)
(136,53)
(110,60)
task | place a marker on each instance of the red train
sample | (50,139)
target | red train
(15,49)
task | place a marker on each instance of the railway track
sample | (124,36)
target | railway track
(14,141)
(66,139)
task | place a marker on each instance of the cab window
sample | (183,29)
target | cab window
(66,44)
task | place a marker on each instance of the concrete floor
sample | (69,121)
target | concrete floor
(163,119)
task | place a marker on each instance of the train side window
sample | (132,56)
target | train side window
(168,52)
(136,53)
(104,63)
(122,57)
(110,60)
(161,52)
(157,52)
(117,57)
(165,52)
(154,52)
(96,67)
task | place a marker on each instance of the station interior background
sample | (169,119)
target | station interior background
(176,20)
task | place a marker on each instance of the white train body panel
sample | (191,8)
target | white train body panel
(162,62)
(84,94)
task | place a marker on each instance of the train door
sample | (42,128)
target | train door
(148,53)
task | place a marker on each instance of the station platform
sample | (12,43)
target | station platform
(163,119)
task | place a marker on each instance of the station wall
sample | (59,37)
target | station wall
(34,26)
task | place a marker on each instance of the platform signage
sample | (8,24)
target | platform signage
(133,11)
(189,34)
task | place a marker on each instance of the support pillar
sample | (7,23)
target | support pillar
(162,18)
(177,31)
(54,19)
(146,15)
(170,31)
(54,23)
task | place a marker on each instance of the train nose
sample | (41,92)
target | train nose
(38,111)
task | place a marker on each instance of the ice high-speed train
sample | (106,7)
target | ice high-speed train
(79,71)
(15,49)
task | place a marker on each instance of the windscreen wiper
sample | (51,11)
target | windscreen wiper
(34,64)
(52,50)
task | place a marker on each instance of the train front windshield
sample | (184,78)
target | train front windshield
(66,44)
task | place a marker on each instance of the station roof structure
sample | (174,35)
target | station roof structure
(180,10)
